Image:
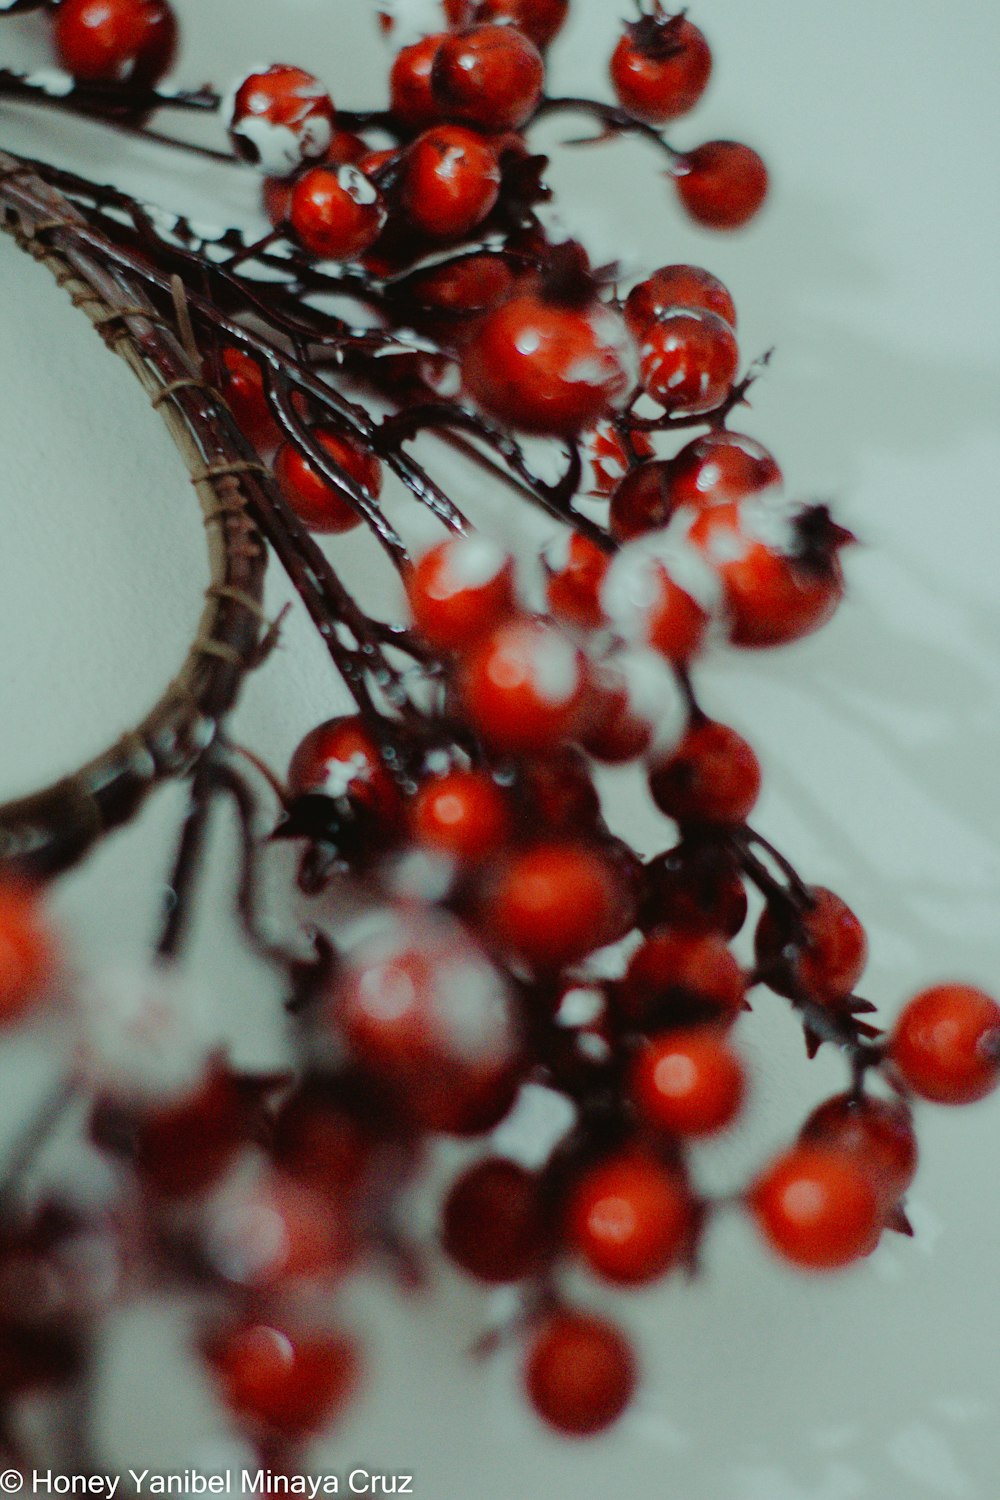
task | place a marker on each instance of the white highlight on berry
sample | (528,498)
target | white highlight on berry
(339,775)
(654,696)
(471,562)
(555,669)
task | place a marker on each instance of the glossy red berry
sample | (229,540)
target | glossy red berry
(688,361)
(720,466)
(630,1218)
(820,950)
(680,978)
(276,192)
(463,814)
(339,758)
(423,1010)
(115,41)
(647,605)
(336,213)
(280,118)
(538,19)
(488,76)
(243,391)
(451,181)
(660,68)
(493,1224)
(557,792)
(460,590)
(184,1147)
(580,1373)
(641,502)
(713,776)
(689,1082)
(411,99)
(279,1380)
(676,286)
(545,368)
(524,687)
(877,1132)
(946,1044)
(467,284)
(553,903)
(779,569)
(27,952)
(722,184)
(576,567)
(309,495)
(816,1208)
(695,886)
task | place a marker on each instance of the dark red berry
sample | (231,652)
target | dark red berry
(688,1082)
(676,286)
(339,758)
(695,886)
(451,180)
(524,687)
(311,497)
(820,949)
(553,903)
(688,361)
(642,501)
(817,1208)
(460,590)
(463,814)
(679,978)
(720,466)
(630,1218)
(27,952)
(280,118)
(115,41)
(538,19)
(278,1380)
(545,368)
(411,98)
(493,1223)
(488,76)
(336,213)
(713,776)
(660,68)
(878,1132)
(722,184)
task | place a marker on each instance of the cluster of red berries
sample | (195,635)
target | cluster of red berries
(493,934)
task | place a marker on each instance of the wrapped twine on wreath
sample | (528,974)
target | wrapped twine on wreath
(52,829)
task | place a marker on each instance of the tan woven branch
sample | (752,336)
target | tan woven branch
(44,833)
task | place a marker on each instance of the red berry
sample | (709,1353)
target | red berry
(345,148)
(423,1010)
(27,955)
(451,181)
(488,76)
(280,118)
(330,1133)
(679,978)
(411,99)
(492,1222)
(243,390)
(821,950)
(688,361)
(280,1380)
(336,214)
(816,1208)
(309,495)
(559,793)
(630,1218)
(660,68)
(580,1373)
(647,605)
(689,1082)
(554,903)
(115,41)
(642,502)
(524,687)
(946,1044)
(695,886)
(620,729)
(676,286)
(780,572)
(544,368)
(339,758)
(467,284)
(460,590)
(185,1147)
(713,776)
(609,455)
(722,184)
(877,1132)
(538,19)
(463,814)
(576,567)
(720,466)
